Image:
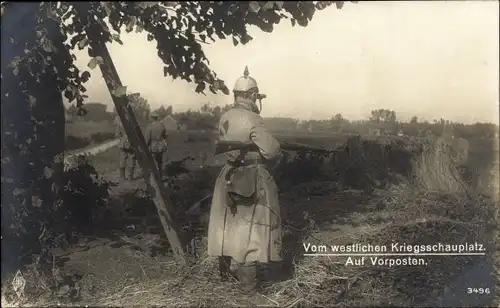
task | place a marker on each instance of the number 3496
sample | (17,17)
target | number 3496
(478,291)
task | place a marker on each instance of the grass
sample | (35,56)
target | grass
(83,129)
(436,206)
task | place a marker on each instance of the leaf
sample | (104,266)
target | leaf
(120,91)
(130,24)
(117,39)
(85,76)
(18,191)
(47,172)
(279,4)
(83,43)
(36,202)
(92,63)
(146,4)
(339,4)
(235,41)
(268,6)
(225,89)
(302,22)
(150,37)
(48,46)
(245,38)
(293,22)
(254,6)
(99,60)
(200,87)
(15,71)
(31,100)
(95,61)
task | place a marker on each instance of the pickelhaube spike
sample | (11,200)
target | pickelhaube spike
(246,73)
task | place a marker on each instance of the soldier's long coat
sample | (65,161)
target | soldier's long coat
(156,136)
(253,232)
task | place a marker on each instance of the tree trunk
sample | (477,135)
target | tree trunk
(32,142)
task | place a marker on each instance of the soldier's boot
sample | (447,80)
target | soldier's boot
(130,173)
(225,268)
(247,275)
(122,174)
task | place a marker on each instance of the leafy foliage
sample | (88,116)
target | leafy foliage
(178,28)
(85,194)
(140,106)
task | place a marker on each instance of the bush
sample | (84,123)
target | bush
(28,229)
(85,194)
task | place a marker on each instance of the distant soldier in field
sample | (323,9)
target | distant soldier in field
(245,219)
(156,138)
(127,160)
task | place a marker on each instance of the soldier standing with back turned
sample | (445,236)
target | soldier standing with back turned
(127,159)
(245,219)
(156,138)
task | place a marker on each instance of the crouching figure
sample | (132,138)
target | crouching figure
(245,219)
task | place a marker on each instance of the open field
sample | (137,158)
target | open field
(122,257)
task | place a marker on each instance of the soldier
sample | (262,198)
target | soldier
(245,219)
(128,159)
(156,138)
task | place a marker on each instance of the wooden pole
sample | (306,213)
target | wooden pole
(125,112)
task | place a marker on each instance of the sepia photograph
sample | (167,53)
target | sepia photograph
(250,154)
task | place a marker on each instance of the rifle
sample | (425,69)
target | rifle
(227,146)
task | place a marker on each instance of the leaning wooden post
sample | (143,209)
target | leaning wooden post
(125,112)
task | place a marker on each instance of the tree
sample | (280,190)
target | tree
(383,116)
(337,122)
(37,65)
(217,111)
(414,120)
(338,118)
(96,112)
(141,107)
(162,112)
(170,110)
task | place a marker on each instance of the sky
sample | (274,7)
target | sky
(432,59)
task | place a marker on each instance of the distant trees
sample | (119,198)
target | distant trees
(383,116)
(337,123)
(141,107)
(207,117)
(281,123)
(95,112)
(164,112)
